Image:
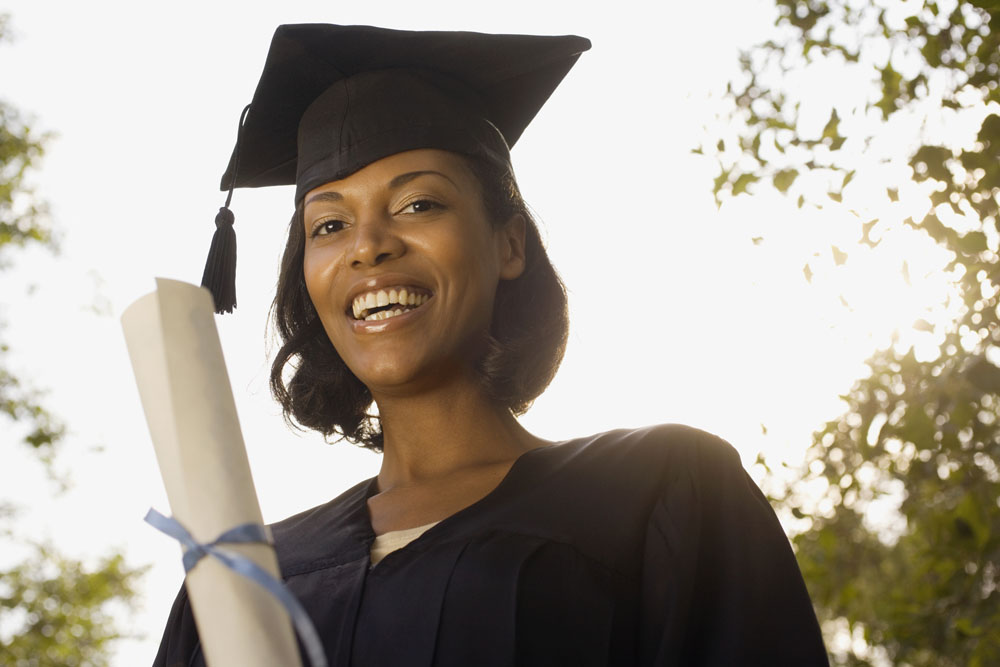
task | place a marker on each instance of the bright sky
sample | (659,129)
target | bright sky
(677,316)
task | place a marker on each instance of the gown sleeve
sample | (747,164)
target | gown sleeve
(180,646)
(720,584)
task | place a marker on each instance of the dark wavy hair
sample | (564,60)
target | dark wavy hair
(317,391)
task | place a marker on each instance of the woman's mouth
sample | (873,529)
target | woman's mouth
(387,303)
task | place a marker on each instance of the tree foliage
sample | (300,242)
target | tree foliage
(23,220)
(921,434)
(21,215)
(62,609)
(54,610)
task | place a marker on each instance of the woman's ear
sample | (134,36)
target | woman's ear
(510,240)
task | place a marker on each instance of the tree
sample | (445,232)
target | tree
(911,105)
(22,221)
(54,610)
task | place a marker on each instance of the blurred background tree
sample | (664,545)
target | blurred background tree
(54,609)
(887,112)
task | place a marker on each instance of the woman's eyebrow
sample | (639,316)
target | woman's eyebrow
(402,179)
(329,195)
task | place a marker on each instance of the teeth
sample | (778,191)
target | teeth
(383,315)
(365,302)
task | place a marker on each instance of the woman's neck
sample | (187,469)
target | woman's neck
(446,431)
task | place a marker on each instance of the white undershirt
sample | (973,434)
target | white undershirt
(386,543)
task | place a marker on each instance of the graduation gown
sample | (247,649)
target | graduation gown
(632,547)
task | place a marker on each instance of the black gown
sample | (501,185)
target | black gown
(632,547)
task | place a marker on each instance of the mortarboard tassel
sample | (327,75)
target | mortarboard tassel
(220,268)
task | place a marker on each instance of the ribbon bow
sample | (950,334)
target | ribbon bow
(248,533)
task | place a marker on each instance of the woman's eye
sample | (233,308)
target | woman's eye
(420,206)
(328,227)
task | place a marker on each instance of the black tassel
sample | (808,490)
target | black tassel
(220,269)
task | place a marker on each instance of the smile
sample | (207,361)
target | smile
(387,303)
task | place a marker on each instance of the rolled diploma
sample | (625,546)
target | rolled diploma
(177,359)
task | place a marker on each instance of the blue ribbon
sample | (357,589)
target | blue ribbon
(248,533)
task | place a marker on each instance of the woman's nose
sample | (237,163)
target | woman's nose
(375,241)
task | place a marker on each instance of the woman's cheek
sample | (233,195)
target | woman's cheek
(318,268)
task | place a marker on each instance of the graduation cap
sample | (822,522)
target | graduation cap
(333,99)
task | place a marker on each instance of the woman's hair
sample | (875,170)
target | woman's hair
(525,346)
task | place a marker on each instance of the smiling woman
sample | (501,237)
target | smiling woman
(414,280)
(433,202)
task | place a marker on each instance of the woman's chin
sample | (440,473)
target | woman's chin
(387,375)
(407,379)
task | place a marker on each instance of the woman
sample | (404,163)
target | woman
(414,281)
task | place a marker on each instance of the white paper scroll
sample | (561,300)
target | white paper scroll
(188,401)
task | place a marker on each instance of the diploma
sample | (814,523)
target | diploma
(185,391)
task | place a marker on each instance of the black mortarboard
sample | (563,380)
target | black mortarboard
(332,99)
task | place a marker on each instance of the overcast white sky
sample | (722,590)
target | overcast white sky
(676,315)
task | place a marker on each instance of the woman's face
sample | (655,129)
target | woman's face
(402,265)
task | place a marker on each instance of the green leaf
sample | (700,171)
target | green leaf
(934,160)
(972,243)
(990,129)
(984,376)
(839,256)
(971,515)
(830,131)
(916,427)
(966,628)
(720,180)
(783,179)
(743,181)
(891,80)
(989,5)
(866,233)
